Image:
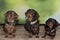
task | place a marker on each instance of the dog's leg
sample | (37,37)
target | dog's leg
(11,29)
(45,34)
(8,30)
(7,27)
(30,35)
(6,35)
(37,32)
(13,32)
(5,30)
(52,35)
(37,35)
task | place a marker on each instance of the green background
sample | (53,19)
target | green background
(45,8)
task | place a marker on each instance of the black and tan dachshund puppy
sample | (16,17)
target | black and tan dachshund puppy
(10,21)
(50,28)
(32,23)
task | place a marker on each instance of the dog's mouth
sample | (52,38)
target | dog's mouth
(30,19)
(50,25)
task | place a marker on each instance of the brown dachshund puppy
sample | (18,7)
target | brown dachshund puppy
(32,23)
(10,23)
(50,28)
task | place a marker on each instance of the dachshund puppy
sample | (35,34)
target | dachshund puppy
(10,23)
(32,23)
(50,28)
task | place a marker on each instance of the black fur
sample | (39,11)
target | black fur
(48,29)
(29,27)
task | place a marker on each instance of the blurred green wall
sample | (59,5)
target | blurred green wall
(45,8)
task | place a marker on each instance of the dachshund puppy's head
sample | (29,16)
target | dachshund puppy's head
(51,23)
(10,15)
(31,15)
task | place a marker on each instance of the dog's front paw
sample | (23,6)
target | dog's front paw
(30,36)
(6,36)
(37,36)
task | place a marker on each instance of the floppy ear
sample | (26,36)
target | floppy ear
(5,15)
(15,14)
(56,23)
(25,13)
(37,15)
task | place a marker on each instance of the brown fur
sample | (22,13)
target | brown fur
(33,29)
(10,23)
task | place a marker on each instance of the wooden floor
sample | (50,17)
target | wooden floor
(21,34)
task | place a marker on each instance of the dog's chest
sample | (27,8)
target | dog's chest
(33,22)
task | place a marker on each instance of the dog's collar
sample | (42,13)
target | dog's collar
(33,22)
